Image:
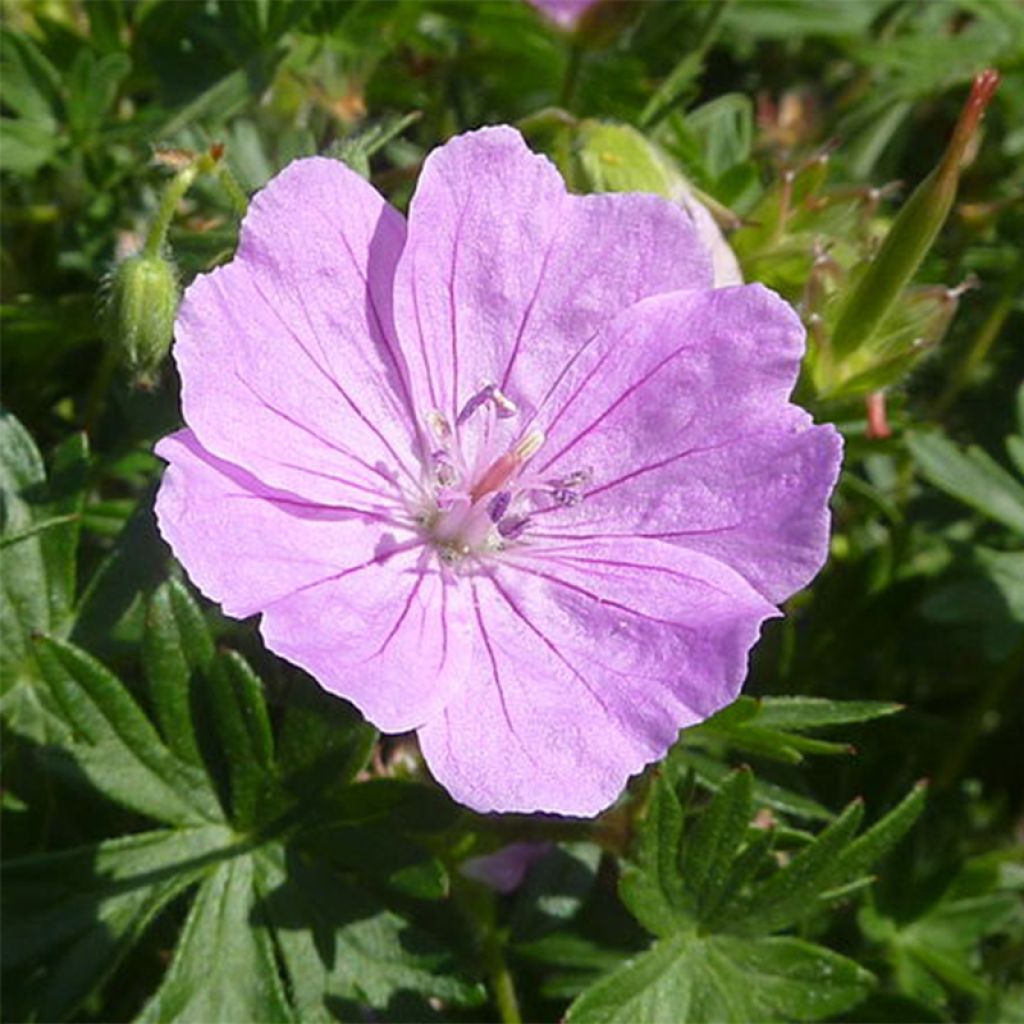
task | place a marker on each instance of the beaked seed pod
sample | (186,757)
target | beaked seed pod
(141,303)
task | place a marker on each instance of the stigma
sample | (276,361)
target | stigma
(478,493)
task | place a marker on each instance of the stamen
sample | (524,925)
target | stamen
(483,395)
(569,490)
(513,526)
(444,471)
(439,427)
(499,506)
(529,445)
(503,405)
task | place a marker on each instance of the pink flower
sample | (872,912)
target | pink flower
(512,475)
(505,869)
(565,13)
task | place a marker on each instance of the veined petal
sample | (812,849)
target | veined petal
(288,358)
(343,596)
(589,659)
(505,277)
(243,543)
(391,636)
(687,434)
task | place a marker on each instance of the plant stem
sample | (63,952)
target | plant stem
(239,200)
(173,195)
(977,353)
(500,979)
(572,75)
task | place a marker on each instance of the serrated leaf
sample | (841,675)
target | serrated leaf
(712,844)
(725,979)
(791,892)
(78,912)
(40,524)
(114,745)
(176,645)
(240,716)
(224,967)
(652,888)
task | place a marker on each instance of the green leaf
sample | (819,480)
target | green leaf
(719,978)
(32,86)
(78,912)
(878,840)
(240,716)
(972,476)
(773,727)
(224,968)
(339,944)
(712,773)
(92,87)
(712,844)
(791,893)
(323,743)
(652,888)
(797,714)
(114,745)
(176,646)
(26,146)
(40,533)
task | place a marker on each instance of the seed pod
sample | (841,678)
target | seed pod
(141,303)
(912,233)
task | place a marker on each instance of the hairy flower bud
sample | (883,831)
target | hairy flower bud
(141,303)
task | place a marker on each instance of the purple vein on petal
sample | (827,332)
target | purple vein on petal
(631,390)
(324,371)
(288,418)
(598,599)
(414,590)
(551,645)
(401,371)
(528,312)
(496,675)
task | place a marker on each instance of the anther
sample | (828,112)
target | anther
(529,445)
(569,490)
(482,396)
(439,427)
(503,405)
(513,526)
(498,506)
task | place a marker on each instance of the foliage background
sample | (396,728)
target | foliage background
(193,832)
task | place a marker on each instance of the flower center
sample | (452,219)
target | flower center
(479,491)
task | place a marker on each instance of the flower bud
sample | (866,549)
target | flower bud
(140,306)
(617,158)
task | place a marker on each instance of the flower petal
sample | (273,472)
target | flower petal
(589,658)
(684,426)
(506,277)
(343,596)
(243,543)
(390,635)
(287,355)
